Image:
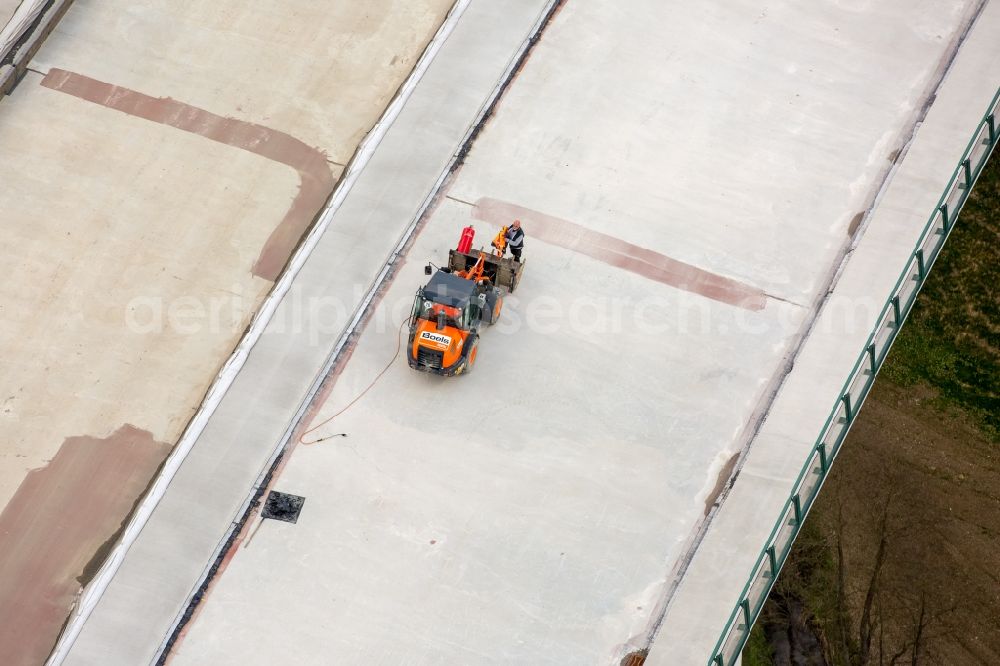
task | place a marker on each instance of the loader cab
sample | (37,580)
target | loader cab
(447,301)
(444,316)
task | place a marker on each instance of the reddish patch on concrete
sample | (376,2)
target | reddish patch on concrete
(618,253)
(57,528)
(316,180)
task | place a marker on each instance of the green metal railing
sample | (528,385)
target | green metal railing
(859,382)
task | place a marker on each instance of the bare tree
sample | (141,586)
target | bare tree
(868,621)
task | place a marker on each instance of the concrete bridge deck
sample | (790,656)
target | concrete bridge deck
(691,179)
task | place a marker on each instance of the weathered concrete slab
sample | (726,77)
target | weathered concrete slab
(533,511)
(159,163)
(163,567)
(723,562)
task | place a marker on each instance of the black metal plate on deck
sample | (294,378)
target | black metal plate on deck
(282,506)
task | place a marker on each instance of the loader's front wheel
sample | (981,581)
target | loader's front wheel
(472,356)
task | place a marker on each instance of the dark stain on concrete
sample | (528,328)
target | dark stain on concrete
(637,658)
(316,181)
(852,228)
(94,565)
(724,478)
(59,518)
(621,254)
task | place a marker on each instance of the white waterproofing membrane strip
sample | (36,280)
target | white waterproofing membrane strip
(19,22)
(92,593)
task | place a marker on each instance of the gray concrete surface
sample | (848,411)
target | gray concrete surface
(723,562)
(73,195)
(163,567)
(155,156)
(533,512)
(322,73)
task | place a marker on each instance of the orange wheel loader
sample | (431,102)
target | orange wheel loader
(455,305)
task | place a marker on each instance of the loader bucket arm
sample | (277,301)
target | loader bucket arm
(502,272)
